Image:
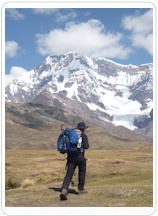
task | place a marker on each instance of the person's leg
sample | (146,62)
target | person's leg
(70,171)
(81,174)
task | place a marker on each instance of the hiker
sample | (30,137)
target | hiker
(76,159)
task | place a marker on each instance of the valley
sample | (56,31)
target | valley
(114,179)
(115,101)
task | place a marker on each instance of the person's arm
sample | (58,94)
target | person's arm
(85,141)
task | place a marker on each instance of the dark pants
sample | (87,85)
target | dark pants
(73,161)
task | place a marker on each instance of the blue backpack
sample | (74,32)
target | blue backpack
(67,141)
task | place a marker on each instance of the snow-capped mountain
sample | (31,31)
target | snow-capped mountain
(98,90)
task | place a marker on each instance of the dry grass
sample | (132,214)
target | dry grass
(27,182)
(114,179)
(11,183)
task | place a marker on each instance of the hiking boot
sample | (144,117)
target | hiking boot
(63,195)
(82,192)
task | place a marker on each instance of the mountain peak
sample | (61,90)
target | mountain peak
(116,93)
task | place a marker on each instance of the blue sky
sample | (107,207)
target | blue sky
(124,35)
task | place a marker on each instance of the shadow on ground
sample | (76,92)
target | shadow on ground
(71,191)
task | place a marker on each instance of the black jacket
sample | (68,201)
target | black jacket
(85,140)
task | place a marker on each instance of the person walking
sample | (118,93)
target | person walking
(76,159)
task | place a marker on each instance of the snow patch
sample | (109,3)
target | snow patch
(94,107)
(51,90)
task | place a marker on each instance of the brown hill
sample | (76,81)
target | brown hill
(33,126)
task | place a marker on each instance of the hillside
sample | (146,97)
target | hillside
(100,91)
(37,127)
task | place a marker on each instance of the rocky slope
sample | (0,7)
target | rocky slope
(100,91)
(37,127)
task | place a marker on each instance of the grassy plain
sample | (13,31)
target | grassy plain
(115,178)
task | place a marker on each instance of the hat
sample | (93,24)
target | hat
(81,125)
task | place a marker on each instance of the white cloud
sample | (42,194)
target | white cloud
(63,17)
(14,13)
(45,11)
(88,38)
(14,73)
(11,48)
(59,16)
(142,30)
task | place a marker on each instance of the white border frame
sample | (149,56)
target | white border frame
(74,210)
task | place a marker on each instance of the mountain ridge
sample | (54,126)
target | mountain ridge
(114,94)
